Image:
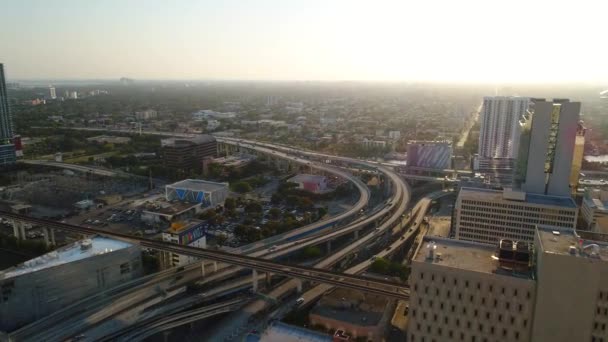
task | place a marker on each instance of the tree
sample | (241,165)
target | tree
(292,200)
(311,252)
(253,207)
(274,213)
(241,187)
(306,202)
(229,203)
(322,212)
(380,265)
(221,239)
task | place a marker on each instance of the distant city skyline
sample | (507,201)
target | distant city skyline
(467,41)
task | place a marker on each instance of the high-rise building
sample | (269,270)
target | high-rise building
(187,154)
(571,286)
(577,158)
(7,149)
(486,215)
(462,291)
(52,92)
(555,290)
(499,133)
(547,147)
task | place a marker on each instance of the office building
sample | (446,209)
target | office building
(146,114)
(52,93)
(190,233)
(499,132)
(210,194)
(109,139)
(358,314)
(572,287)
(487,215)
(41,286)
(467,291)
(547,147)
(429,155)
(577,157)
(594,210)
(7,148)
(186,154)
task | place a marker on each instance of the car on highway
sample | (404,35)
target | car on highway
(299,301)
(272,249)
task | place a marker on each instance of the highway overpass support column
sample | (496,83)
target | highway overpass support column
(328,246)
(299,285)
(356,235)
(268,279)
(215,266)
(255,280)
(18,230)
(203,267)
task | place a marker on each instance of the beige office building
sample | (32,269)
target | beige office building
(486,215)
(466,291)
(572,286)
(594,210)
(463,291)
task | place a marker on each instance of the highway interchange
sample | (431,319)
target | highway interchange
(390,215)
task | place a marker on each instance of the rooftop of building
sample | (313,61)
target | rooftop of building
(429,142)
(164,207)
(198,185)
(196,139)
(463,255)
(177,227)
(584,244)
(352,306)
(596,204)
(540,199)
(70,253)
(288,333)
(304,177)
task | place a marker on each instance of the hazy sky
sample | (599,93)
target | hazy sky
(452,40)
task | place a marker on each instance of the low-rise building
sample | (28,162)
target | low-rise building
(594,210)
(356,313)
(43,285)
(371,143)
(164,212)
(312,183)
(108,139)
(146,115)
(188,233)
(487,215)
(209,194)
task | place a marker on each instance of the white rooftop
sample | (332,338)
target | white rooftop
(198,185)
(73,252)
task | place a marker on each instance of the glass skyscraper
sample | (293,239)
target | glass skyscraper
(7,149)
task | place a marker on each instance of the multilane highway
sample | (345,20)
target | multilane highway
(139,292)
(356,227)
